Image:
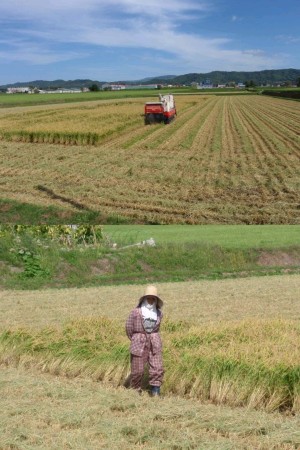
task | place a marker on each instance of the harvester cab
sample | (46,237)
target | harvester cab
(162,111)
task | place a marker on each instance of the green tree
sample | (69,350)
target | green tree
(94,87)
(298,82)
(250,84)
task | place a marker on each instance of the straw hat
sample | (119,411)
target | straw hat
(151,291)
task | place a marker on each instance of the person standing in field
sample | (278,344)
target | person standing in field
(142,328)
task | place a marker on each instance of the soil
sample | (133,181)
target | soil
(278,258)
(102,267)
(63,270)
(6,207)
(12,269)
(146,267)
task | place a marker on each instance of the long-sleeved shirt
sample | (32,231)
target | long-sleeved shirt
(138,336)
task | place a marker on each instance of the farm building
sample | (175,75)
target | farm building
(18,90)
(119,87)
(61,91)
(141,86)
(112,87)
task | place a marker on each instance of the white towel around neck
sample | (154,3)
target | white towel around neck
(149,311)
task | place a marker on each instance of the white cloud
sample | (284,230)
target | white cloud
(236,18)
(32,9)
(43,30)
(288,39)
(36,56)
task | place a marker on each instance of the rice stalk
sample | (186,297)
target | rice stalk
(226,364)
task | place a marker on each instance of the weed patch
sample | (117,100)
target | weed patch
(64,256)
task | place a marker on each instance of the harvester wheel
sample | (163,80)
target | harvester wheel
(151,119)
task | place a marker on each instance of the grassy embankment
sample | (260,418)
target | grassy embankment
(181,253)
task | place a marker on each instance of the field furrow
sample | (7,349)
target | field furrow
(233,148)
(199,152)
(288,109)
(282,124)
(277,126)
(129,138)
(277,158)
(162,132)
(183,137)
(274,178)
(252,167)
(224,159)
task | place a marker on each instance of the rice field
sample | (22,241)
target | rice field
(225,159)
(205,302)
(237,343)
(231,357)
(41,412)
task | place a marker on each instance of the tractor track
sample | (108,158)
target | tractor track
(263,148)
(266,135)
(178,137)
(275,125)
(145,133)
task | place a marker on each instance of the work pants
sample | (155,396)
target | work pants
(138,363)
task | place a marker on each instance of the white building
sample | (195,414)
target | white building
(113,87)
(18,90)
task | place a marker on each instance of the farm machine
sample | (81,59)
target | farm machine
(162,111)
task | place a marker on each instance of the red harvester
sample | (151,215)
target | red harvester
(162,111)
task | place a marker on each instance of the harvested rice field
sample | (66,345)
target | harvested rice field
(41,412)
(232,342)
(225,159)
(204,301)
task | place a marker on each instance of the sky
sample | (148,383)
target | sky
(113,40)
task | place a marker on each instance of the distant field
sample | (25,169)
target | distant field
(40,99)
(293,94)
(225,159)
(227,236)
(7,101)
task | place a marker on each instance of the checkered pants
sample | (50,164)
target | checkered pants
(138,363)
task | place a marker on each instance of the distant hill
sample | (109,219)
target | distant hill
(43,84)
(162,77)
(262,77)
(219,77)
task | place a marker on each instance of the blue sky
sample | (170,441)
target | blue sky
(111,40)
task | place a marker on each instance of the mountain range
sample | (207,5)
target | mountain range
(263,77)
